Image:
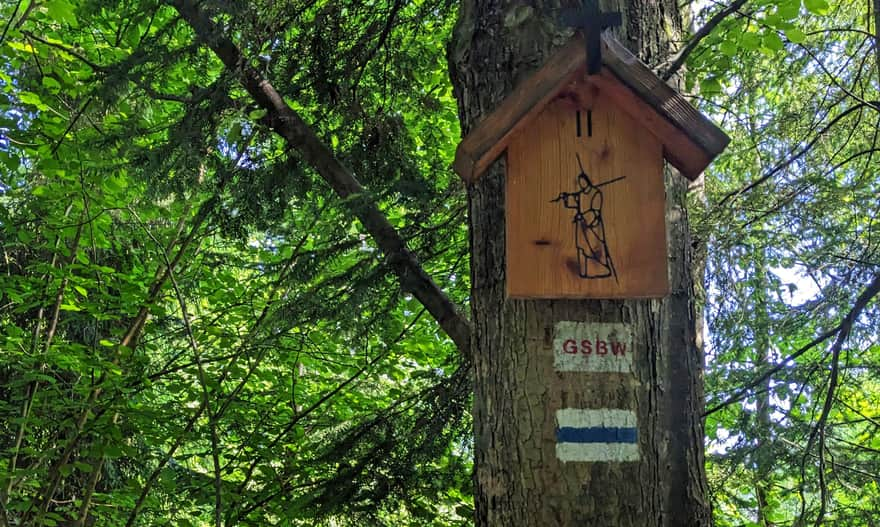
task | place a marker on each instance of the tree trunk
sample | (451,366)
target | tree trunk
(520,480)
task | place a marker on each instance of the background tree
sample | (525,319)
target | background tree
(793,262)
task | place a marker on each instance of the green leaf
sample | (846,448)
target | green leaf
(69,307)
(795,35)
(12,162)
(789,10)
(818,7)
(112,185)
(750,41)
(61,11)
(113,451)
(234,134)
(83,466)
(21,46)
(710,86)
(728,47)
(33,99)
(40,191)
(773,42)
(24,236)
(257,114)
(53,85)
(81,290)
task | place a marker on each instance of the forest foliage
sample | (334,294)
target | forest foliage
(197,330)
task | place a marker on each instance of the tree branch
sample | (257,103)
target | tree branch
(70,51)
(201,376)
(6,29)
(383,38)
(795,156)
(819,431)
(742,392)
(34,386)
(289,125)
(128,340)
(679,59)
(841,329)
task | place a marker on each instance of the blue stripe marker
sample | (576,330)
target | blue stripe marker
(596,434)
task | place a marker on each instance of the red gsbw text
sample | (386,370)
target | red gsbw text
(597,346)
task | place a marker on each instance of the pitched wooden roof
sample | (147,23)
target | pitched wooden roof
(690,140)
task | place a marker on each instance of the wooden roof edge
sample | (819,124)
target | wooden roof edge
(678,149)
(489,138)
(633,73)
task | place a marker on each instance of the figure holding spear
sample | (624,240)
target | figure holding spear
(594,259)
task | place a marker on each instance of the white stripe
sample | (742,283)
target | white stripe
(593,452)
(605,417)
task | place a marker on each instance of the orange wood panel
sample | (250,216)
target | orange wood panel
(549,244)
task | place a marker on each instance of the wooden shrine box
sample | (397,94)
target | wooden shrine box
(584,193)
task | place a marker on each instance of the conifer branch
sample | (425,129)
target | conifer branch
(299,135)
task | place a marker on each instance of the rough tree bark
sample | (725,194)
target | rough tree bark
(519,480)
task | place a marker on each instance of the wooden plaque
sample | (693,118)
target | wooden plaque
(594,229)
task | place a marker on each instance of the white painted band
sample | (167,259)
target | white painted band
(605,417)
(597,452)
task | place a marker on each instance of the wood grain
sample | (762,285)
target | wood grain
(541,162)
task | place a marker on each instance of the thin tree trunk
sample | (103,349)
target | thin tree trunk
(763,447)
(519,480)
(876,17)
